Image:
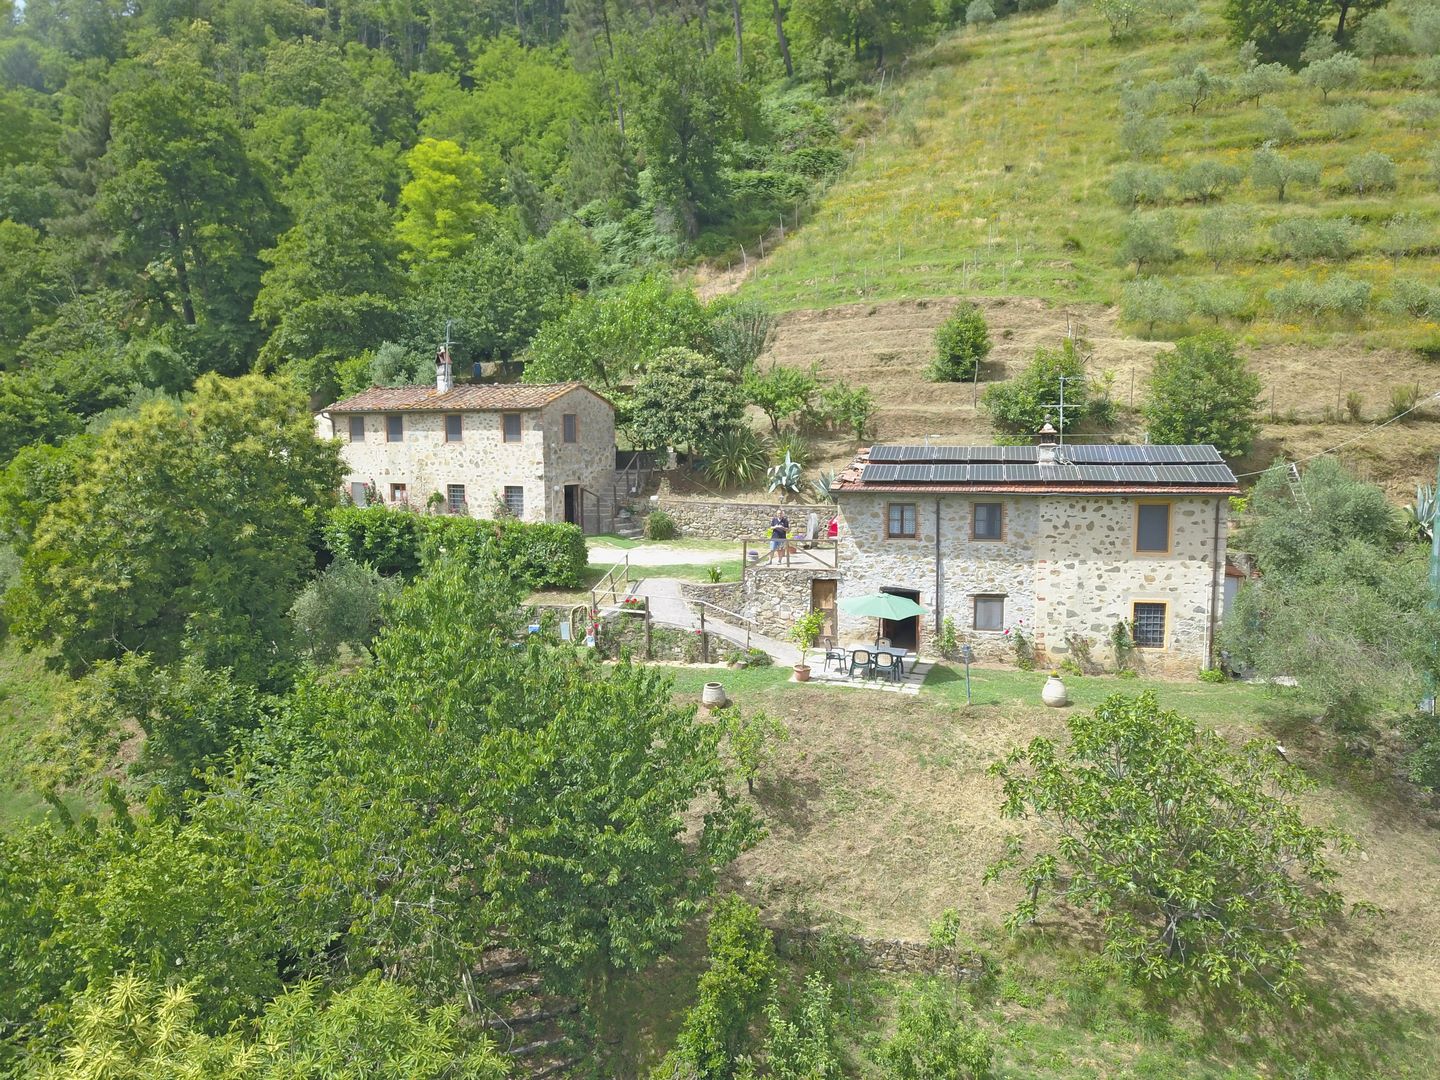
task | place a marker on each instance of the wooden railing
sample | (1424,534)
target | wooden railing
(613,586)
(741,622)
(793,554)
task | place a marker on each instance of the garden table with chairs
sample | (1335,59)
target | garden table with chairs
(869,660)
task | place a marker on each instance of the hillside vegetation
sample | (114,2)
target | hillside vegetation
(999,168)
(995,165)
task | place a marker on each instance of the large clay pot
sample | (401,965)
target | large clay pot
(1053,693)
(713,696)
(802,673)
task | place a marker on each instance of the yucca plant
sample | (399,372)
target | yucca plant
(736,457)
(793,446)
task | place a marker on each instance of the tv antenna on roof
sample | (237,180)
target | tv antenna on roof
(1060,405)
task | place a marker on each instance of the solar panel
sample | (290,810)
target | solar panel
(878,474)
(987,474)
(913,474)
(951,474)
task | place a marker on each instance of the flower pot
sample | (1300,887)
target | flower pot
(802,673)
(1053,693)
(713,696)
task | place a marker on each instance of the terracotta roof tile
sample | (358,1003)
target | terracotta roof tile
(467,397)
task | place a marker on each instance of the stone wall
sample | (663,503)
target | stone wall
(1065,566)
(881,954)
(735,520)
(729,595)
(540,463)
(776,596)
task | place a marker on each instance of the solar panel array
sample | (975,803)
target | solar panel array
(994,473)
(1074,453)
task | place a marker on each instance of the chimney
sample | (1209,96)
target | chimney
(444,378)
(1049,439)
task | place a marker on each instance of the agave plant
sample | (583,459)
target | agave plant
(736,457)
(785,477)
(823,486)
(1422,511)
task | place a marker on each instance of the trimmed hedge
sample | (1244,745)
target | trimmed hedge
(539,555)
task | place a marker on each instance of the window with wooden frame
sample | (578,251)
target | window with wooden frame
(455,497)
(394,428)
(454,427)
(357,429)
(1147,624)
(1152,528)
(399,493)
(569,427)
(510,428)
(989,613)
(987,521)
(900,521)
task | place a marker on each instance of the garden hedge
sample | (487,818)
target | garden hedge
(539,555)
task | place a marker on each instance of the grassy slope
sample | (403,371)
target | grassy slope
(881,816)
(28,692)
(991,174)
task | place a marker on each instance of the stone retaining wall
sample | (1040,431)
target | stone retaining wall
(735,520)
(882,954)
(729,595)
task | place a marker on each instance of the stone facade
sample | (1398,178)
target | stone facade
(735,520)
(776,596)
(729,595)
(1065,566)
(541,463)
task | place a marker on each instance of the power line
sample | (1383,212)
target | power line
(1348,442)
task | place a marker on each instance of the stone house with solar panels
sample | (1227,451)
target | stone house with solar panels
(543,452)
(1058,542)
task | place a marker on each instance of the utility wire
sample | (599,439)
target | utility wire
(1363,435)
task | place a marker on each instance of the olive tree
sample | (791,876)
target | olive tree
(1192,851)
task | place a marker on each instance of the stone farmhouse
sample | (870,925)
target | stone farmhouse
(1058,543)
(539,452)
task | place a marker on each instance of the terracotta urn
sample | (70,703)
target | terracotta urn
(802,673)
(1053,693)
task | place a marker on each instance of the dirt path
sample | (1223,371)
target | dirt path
(659,555)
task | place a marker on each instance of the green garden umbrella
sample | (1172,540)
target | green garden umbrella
(881,606)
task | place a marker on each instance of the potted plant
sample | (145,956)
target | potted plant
(806,629)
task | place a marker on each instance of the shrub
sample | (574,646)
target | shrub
(1338,296)
(738,331)
(853,406)
(979,13)
(961,342)
(1202,391)
(1143,136)
(534,554)
(1370,172)
(1020,405)
(1149,240)
(660,526)
(1206,181)
(1336,72)
(1403,398)
(1354,406)
(793,444)
(1314,238)
(1345,121)
(1218,300)
(1413,299)
(1139,185)
(1274,170)
(736,457)
(1151,301)
(1381,34)
(342,606)
(1275,126)
(782,393)
(1419,111)
(1223,232)
(932,1040)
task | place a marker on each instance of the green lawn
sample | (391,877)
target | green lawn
(990,165)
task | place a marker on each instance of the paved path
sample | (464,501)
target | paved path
(669,608)
(661,554)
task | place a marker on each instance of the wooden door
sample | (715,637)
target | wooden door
(822,598)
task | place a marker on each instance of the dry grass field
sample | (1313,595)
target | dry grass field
(881,817)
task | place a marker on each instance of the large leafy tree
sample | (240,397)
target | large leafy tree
(1341,604)
(1192,853)
(682,400)
(608,339)
(189,531)
(442,207)
(181,192)
(1202,391)
(141,1029)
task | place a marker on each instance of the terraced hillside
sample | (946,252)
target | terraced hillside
(990,170)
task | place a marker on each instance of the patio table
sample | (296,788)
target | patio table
(901,655)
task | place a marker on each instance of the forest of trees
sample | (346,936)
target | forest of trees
(224,186)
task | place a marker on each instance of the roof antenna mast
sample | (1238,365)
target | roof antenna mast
(1060,406)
